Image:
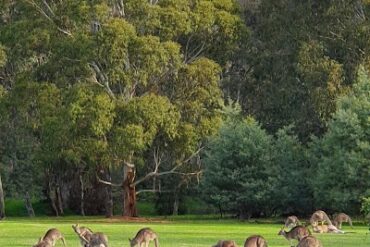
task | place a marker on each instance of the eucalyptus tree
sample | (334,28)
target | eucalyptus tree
(151,59)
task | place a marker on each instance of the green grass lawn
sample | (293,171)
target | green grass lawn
(173,232)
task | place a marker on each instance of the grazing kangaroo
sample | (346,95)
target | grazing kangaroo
(145,235)
(255,241)
(325,229)
(90,239)
(297,232)
(342,217)
(320,215)
(50,237)
(292,221)
(309,241)
(225,243)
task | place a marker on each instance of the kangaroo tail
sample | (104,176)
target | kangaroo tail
(156,242)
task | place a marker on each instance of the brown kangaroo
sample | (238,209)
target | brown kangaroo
(50,237)
(320,215)
(309,241)
(325,229)
(225,243)
(297,233)
(292,221)
(90,239)
(144,236)
(342,217)
(255,241)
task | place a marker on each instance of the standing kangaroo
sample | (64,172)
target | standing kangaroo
(342,217)
(320,215)
(292,221)
(255,241)
(297,232)
(144,236)
(309,241)
(50,237)
(90,239)
(225,243)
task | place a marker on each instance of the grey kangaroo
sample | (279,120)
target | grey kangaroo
(50,237)
(144,236)
(90,239)
(255,241)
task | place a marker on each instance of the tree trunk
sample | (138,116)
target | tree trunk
(176,204)
(28,204)
(129,192)
(52,198)
(2,203)
(109,197)
(82,187)
(59,199)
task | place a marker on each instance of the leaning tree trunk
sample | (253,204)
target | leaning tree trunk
(2,204)
(28,204)
(129,192)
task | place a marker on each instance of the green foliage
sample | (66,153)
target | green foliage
(365,207)
(291,193)
(344,158)
(237,161)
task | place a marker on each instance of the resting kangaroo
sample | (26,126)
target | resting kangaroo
(325,229)
(255,241)
(342,217)
(297,232)
(320,215)
(309,241)
(225,243)
(89,238)
(145,235)
(292,221)
(51,236)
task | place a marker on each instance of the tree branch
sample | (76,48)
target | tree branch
(107,183)
(42,12)
(172,171)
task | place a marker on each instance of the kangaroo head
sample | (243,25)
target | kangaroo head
(76,228)
(281,232)
(133,242)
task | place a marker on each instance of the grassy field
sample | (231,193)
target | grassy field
(180,232)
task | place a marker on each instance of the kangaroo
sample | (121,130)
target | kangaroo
(225,243)
(292,221)
(145,235)
(297,232)
(309,241)
(320,215)
(90,239)
(325,229)
(50,237)
(342,217)
(255,241)
(83,233)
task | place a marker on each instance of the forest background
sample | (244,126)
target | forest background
(253,108)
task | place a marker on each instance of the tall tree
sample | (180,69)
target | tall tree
(302,57)
(237,168)
(152,58)
(343,152)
